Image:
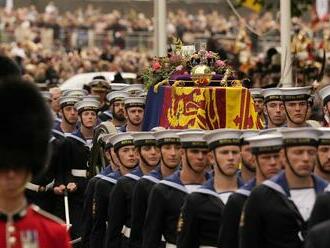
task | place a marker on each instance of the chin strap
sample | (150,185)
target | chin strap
(219,167)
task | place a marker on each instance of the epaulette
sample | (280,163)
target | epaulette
(47,215)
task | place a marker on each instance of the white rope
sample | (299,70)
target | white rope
(250,28)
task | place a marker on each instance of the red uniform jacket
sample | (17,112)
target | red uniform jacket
(32,228)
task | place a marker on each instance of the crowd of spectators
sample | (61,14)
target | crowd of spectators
(42,42)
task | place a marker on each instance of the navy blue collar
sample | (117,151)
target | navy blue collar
(247,188)
(280,184)
(115,174)
(77,135)
(135,174)
(175,178)
(156,173)
(107,170)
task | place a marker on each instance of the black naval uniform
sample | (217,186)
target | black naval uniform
(201,217)
(119,210)
(101,200)
(140,203)
(77,154)
(40,190)
(270,218)
(87,215)
(228,235)
(319,236)
(321,210)
(164,204)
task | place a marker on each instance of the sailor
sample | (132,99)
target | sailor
(201,213)
(258,99)
(114,121)
(115,112)
(69,115)
(273,107)
(119,218)
(123,153)
(169,145)
(87,215)
(77,148)
(99,86)
(134,89)
(24,151)
(265,149)
(324,93)
(296,105)
(277,211)
(248,165)
(167,197)
(134,113)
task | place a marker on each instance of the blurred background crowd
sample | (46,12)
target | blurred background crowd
(52,46)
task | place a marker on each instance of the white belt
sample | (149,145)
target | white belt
(207,246)
(126,231)
(163,238)
(39,188)
(79,173)
(169,245)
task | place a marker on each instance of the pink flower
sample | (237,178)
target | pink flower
(156,66)
(210,55)
(219,63)
(179,68)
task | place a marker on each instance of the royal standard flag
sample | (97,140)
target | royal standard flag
(200,107)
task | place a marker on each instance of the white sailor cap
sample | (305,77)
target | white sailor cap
(192,139)
(99,83)
(134,89)
(121,139)
(116,96)
(275,130)
(266,143)
(156,129)
(296,93)
(223,137)
(144,139)
(68,101)
(325,94)
(168,136)
(118,86)
(143,93)
(303,136)
(86,105)
(256,93)
(324,138)
(92,97)
(272,94)
(246,133)
(134,102)
(75,92)
(46,95)
(106,140)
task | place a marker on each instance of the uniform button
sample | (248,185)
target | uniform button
(11,229)
(12,240)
